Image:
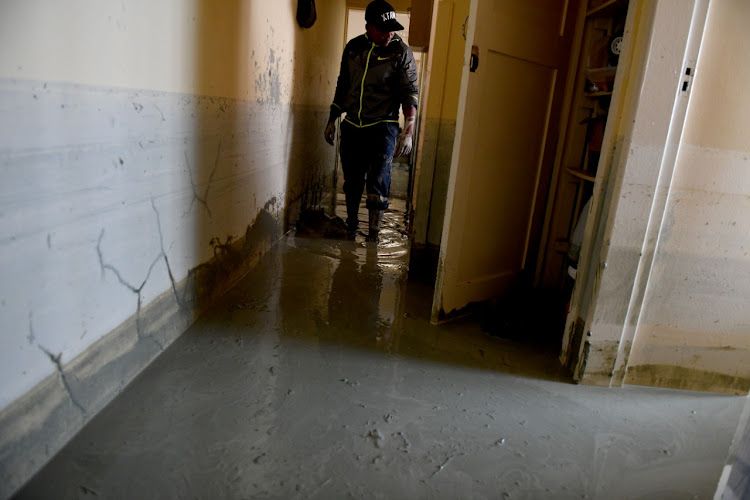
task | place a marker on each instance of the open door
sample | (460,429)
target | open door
(506,135)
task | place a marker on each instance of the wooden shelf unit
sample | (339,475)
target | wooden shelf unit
(595,68)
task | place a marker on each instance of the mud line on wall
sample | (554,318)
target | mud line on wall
(233,258)
(679,377)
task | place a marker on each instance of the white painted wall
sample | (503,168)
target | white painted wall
(131,133)
(696,319)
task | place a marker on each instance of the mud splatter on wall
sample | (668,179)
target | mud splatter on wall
(168,128)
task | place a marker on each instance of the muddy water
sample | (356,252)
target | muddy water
(319,376)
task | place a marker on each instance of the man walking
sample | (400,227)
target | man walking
(378,75)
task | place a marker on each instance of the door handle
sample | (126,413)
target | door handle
(474,60)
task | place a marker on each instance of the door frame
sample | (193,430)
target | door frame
(663,39)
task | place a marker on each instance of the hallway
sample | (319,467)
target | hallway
(319,376)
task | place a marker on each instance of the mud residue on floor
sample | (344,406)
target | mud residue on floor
(320,376)
(318,224)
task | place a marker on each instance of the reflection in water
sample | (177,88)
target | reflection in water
(356,294)
(320,376)
(345,291)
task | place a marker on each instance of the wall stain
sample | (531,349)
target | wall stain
(233,257)
(584,360)
(268,82)
(679,377)
(597,361)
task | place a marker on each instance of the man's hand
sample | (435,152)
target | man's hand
(405,142)
(403,145)
(330,132)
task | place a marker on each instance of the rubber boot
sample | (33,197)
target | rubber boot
(376,217)
(352,217)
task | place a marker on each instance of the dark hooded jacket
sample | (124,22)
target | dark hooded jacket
(375,81)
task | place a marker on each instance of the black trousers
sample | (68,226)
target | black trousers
(366,159)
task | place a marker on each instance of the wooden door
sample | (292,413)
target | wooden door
(505,141)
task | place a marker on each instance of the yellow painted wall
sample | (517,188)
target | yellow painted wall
(189,46)
(448,82)
(440,109)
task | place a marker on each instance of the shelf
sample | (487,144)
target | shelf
(603,71)
(597,94)
(607,8)
(577,172)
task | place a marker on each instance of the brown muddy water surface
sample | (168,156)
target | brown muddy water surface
(319,376)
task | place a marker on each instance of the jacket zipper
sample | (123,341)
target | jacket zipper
(362,87)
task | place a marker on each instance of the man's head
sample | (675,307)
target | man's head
(381,22)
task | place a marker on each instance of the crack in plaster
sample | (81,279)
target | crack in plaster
(204,200)
(180,304)
(57,361)
(137,291)
(31,337)
(160,112)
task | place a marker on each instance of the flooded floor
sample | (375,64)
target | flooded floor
(319,376)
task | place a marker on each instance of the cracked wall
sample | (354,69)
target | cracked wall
(149,161)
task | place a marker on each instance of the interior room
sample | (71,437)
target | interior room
(555,307)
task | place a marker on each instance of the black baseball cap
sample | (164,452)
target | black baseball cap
(380,14)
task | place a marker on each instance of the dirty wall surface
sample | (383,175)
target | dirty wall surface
(695,327)
(439,125)
(320,376)
(149,156)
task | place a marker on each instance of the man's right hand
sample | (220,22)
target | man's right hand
(330,132)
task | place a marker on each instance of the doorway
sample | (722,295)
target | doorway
(495,210)
(505,143)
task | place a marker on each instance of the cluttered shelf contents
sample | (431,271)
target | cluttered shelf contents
(603,36)
(596,68)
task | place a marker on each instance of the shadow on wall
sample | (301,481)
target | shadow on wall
(258,158)
(234,208)
(312,162)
